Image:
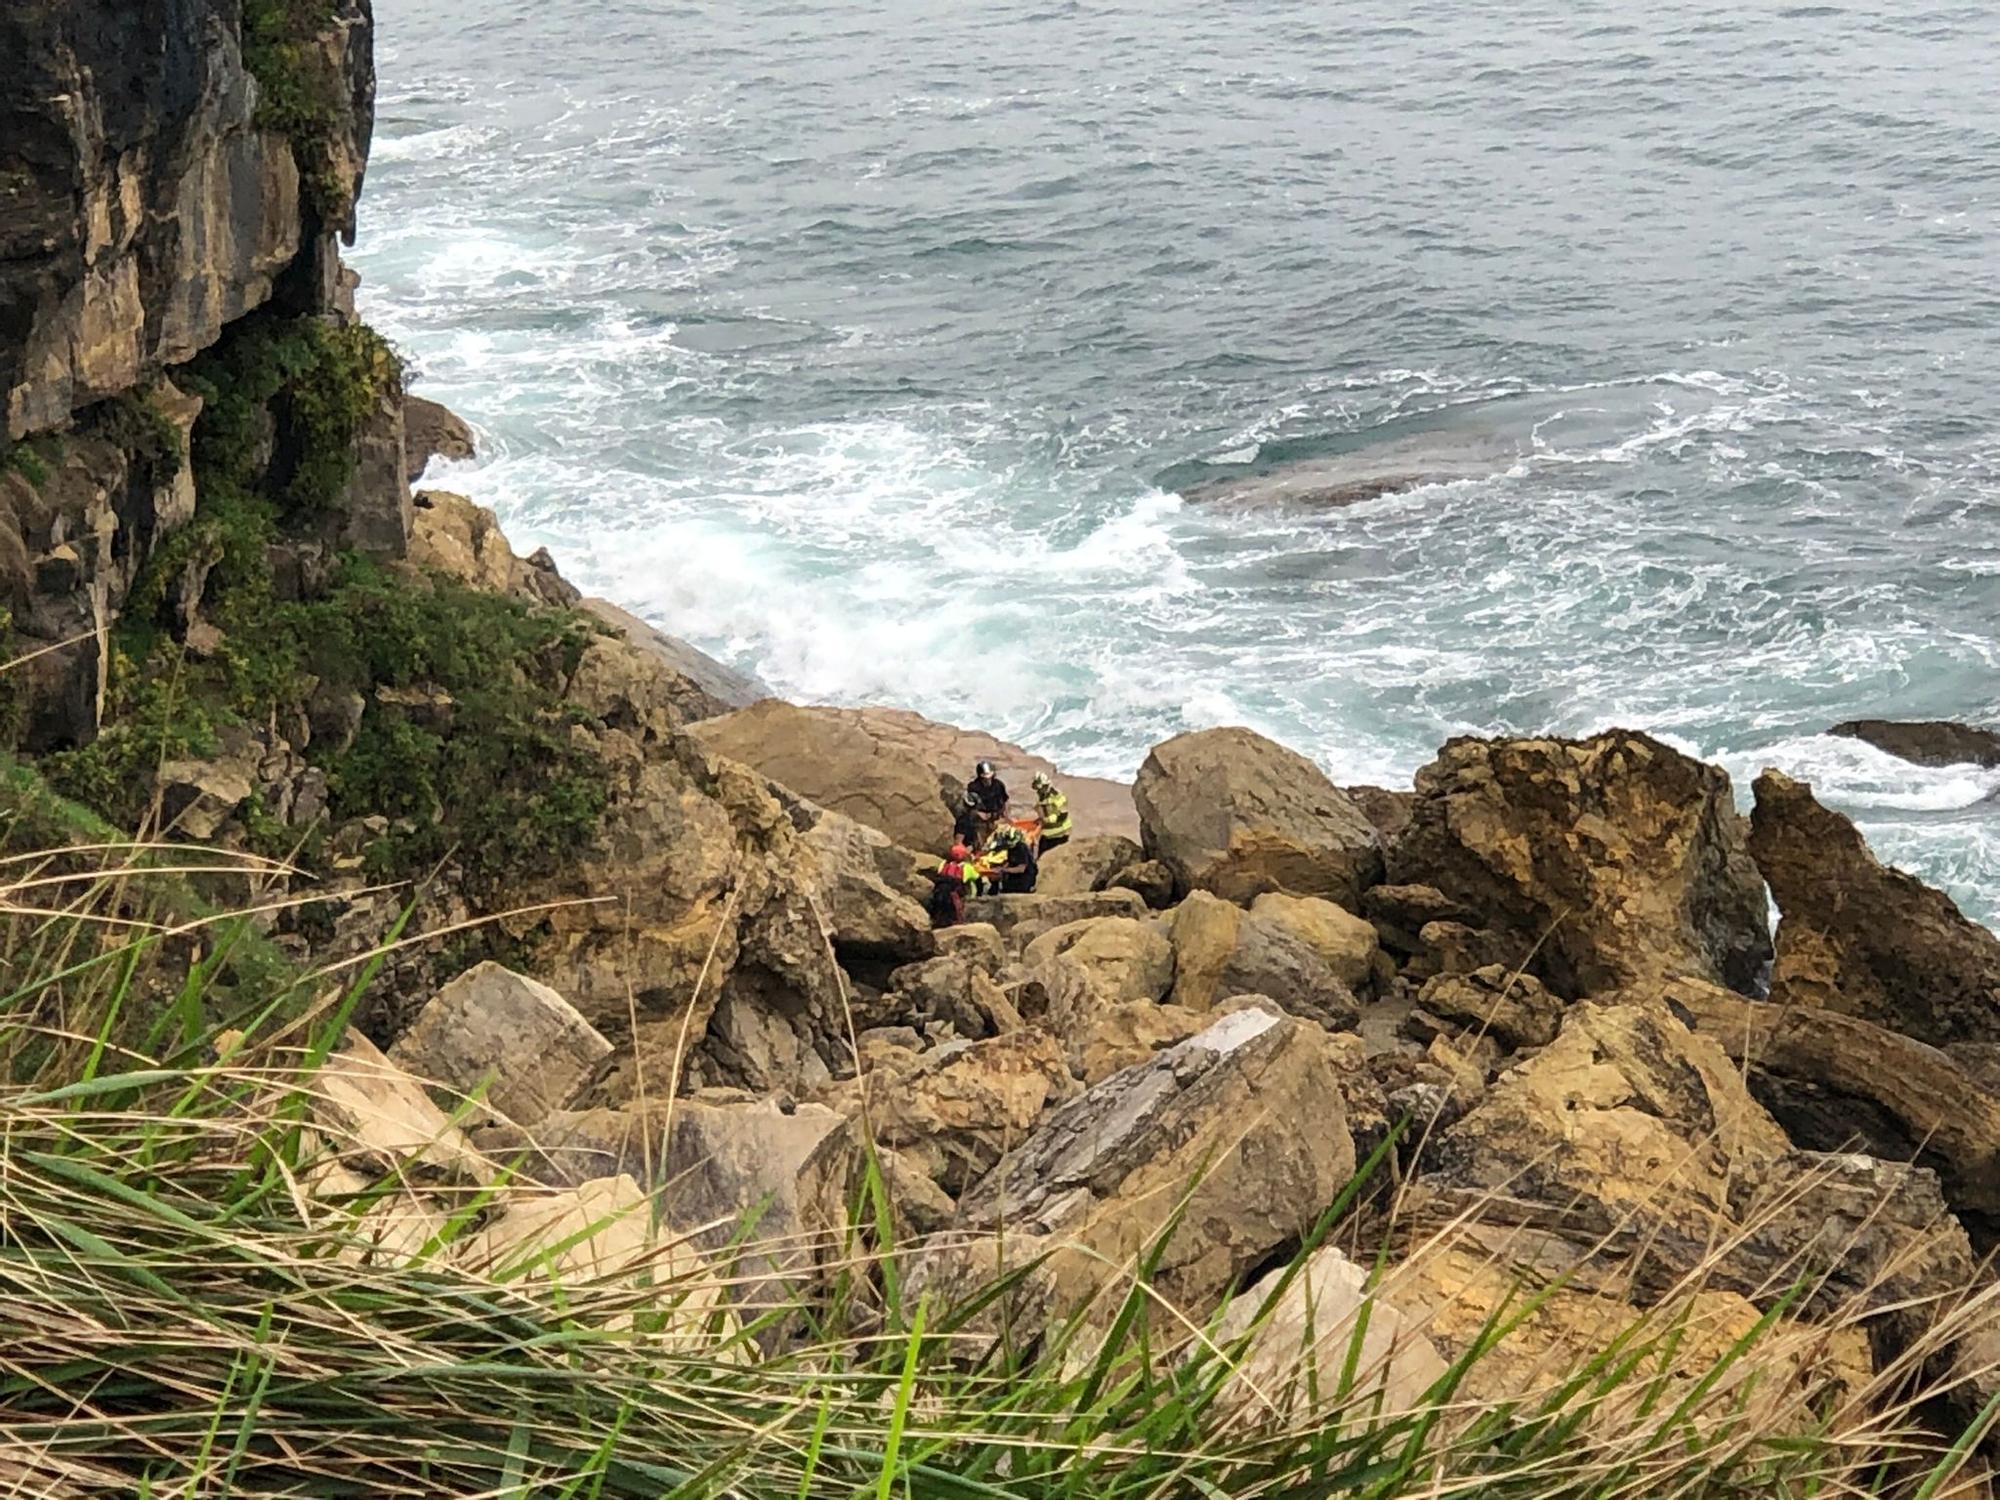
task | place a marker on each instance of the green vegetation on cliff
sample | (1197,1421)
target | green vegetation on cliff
(298,86)
(475,756)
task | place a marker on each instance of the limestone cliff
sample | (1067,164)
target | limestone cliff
(169,168)
(150,195)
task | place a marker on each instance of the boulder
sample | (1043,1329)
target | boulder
(896,771)
(377,1120)
(1631,1138)
(1231,812)
(980,942)
(198,797)
(1346,942)
(1934,742)
(1862,938)
(871,918)
(1123,958)
(1152,880)
(1238,1131)
(515,1035)
(1400,913)
(1086,864)
(956,992)
(1221,950)
(1516,1010)
(1838,1083)
(964,1106)
(597,1229)
(1107,1039)
(765,1176)
(432,431)
(1323,1341)
(1009,914)
(1622,857)
(1454,948)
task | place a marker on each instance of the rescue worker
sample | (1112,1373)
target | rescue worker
(990,791)
(971,825)
(955,875)
(1055,813)
(1018,868)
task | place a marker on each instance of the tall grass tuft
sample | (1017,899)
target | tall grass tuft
(180,1317)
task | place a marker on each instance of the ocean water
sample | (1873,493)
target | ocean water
(866,344)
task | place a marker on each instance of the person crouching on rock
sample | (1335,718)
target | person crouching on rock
(954,876)
(1017,868)
(971,825)
(1055,813)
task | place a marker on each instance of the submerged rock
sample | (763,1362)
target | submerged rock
(1933,742)
(1864,939)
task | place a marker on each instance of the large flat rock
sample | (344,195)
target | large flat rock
(897,771)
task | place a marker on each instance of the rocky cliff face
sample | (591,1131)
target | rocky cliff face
(148,198)
(170,167)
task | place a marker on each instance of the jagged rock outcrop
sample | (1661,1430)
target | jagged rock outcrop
(1238,1130)
(1633,1139)
(896,771)
(1930,742)
(432,431)
(691,935)
(463,540)
(1623,857)
(631,676)
(709,689)
(1837,1082)
(1862,938)
(147,203)
(1231,812)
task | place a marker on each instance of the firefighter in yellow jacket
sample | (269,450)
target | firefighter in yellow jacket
(1055,814)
